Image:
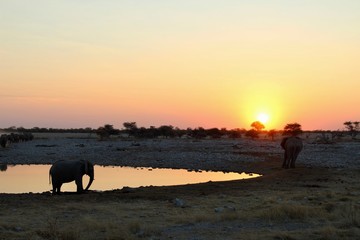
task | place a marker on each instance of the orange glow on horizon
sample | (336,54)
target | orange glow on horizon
(219,66)
(262,101)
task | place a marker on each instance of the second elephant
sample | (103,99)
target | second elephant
(292,146)
(64,171)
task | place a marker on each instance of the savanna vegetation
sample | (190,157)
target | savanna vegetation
(130,129)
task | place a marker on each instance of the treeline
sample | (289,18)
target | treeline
(48,130)
(170,131)
(130,129)
(167,131)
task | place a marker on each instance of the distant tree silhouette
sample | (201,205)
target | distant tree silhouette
(352,127)
(236,133)
(272,134)
(292,129)
(105,132)
(130,128)
(198,133)
(252,133)
(258,126)
(166,131)
(214,133)
(143,132)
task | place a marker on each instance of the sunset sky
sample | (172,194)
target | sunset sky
(188,63)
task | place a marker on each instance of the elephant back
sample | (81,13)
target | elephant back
(295,142)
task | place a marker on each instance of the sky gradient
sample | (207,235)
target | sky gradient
(72,64)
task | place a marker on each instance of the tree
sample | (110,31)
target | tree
(349,126)
(166,131)
(236,133)
(252,133)
(105,131)
(352,127)
(258,126)
(214,133)
(198,133)
(272,134)
(292,129)
(356,124)
(130,128)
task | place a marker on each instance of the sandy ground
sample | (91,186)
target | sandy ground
(320,199)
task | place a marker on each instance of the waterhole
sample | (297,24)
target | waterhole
(35,178)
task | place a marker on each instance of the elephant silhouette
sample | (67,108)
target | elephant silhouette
(292,146)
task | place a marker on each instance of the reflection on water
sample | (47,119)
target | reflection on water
(35,178)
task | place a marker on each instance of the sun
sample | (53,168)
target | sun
(263,118)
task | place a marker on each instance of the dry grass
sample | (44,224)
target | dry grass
(282,213)
(349,215)
(143,219)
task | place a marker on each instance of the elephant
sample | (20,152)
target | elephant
(64,171)
(7,139)
(4,140)
(292,146)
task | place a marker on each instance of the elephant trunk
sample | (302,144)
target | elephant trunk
(90,182)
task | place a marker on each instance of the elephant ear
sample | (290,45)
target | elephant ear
(283,142)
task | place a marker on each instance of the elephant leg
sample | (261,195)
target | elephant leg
(79,185)
(292,163)
(287,161)
(284,163)
(294,159)
(56,188)
(287,165)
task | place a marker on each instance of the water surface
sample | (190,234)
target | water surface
(35,178)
